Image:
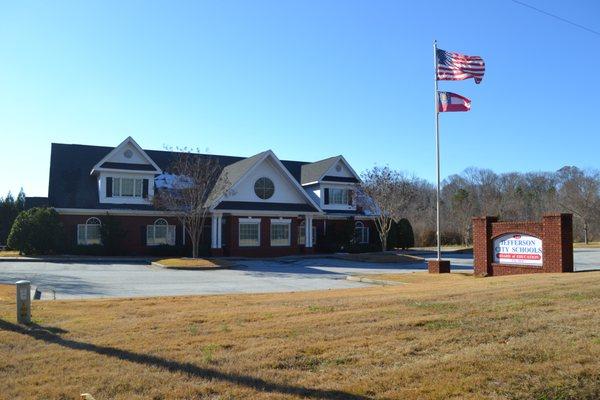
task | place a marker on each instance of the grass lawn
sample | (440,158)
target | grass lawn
(437,337)
(194,263)
(590,245)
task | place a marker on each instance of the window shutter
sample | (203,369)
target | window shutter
(109,187)
(143,232)
(350,194)
(326,196)
(171,235)
(145,188)
(80,234)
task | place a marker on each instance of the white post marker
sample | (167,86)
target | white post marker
(437,147)
(23,302)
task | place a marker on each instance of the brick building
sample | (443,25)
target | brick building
(268,207)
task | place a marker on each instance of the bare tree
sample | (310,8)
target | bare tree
(387,194)
(185,188)
(579,193)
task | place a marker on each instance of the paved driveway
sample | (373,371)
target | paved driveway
(88,280)
(84,280)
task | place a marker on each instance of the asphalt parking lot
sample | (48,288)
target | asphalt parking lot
(93,280)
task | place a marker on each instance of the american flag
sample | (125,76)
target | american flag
(456,67)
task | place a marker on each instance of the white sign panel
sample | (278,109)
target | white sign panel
(514,248)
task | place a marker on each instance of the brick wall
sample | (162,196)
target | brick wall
(232,247)
(555,231)
(134,240)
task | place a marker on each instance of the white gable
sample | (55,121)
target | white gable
(340,169)
(128,154)
(285,190)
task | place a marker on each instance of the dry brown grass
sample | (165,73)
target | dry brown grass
(9,253)
(438,337)
(590,245)
(194,263)
(7,292)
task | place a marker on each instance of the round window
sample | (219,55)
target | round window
(264,188)
(128,153)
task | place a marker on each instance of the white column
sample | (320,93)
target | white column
(308,230)
(219,231)
(213,232)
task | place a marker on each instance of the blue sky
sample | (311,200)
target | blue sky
(307,79)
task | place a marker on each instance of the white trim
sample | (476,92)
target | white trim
(136,146)
(310,183)
(268,153)
(248,221)
(84,228)
(280,221)
(346,216)
(99,211)
(351,169)
(359,225)
(244,213)
(171,233)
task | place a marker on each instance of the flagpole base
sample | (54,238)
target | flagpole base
(438,266)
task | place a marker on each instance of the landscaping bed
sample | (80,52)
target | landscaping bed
(193,263)
(9,253)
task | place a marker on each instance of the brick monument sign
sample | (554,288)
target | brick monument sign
(506,248)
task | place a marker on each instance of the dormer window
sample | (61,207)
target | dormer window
(127,187)
(338,196)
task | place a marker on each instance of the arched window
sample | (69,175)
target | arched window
(160,233)
(302,234)
(89,233)
(361,232)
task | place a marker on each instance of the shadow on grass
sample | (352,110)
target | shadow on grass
(49,335)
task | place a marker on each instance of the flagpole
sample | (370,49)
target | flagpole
(437,147)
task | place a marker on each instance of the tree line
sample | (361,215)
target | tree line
(479,192)
(10,207)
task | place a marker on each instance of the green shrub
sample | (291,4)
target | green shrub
(392,237)
(37,231)
(405,235)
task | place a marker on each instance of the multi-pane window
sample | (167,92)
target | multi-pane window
(280,233)
(127,187)
(264,188)
(338,196)
(160,233)
(361,232)
(89,233)
(249,233)
(302,234)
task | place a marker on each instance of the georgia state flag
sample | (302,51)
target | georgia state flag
(448,102)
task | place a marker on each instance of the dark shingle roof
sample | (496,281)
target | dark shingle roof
(72,186)
(32,202)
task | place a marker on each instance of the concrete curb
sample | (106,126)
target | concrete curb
(373,281)
(81,260)
(156,264)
